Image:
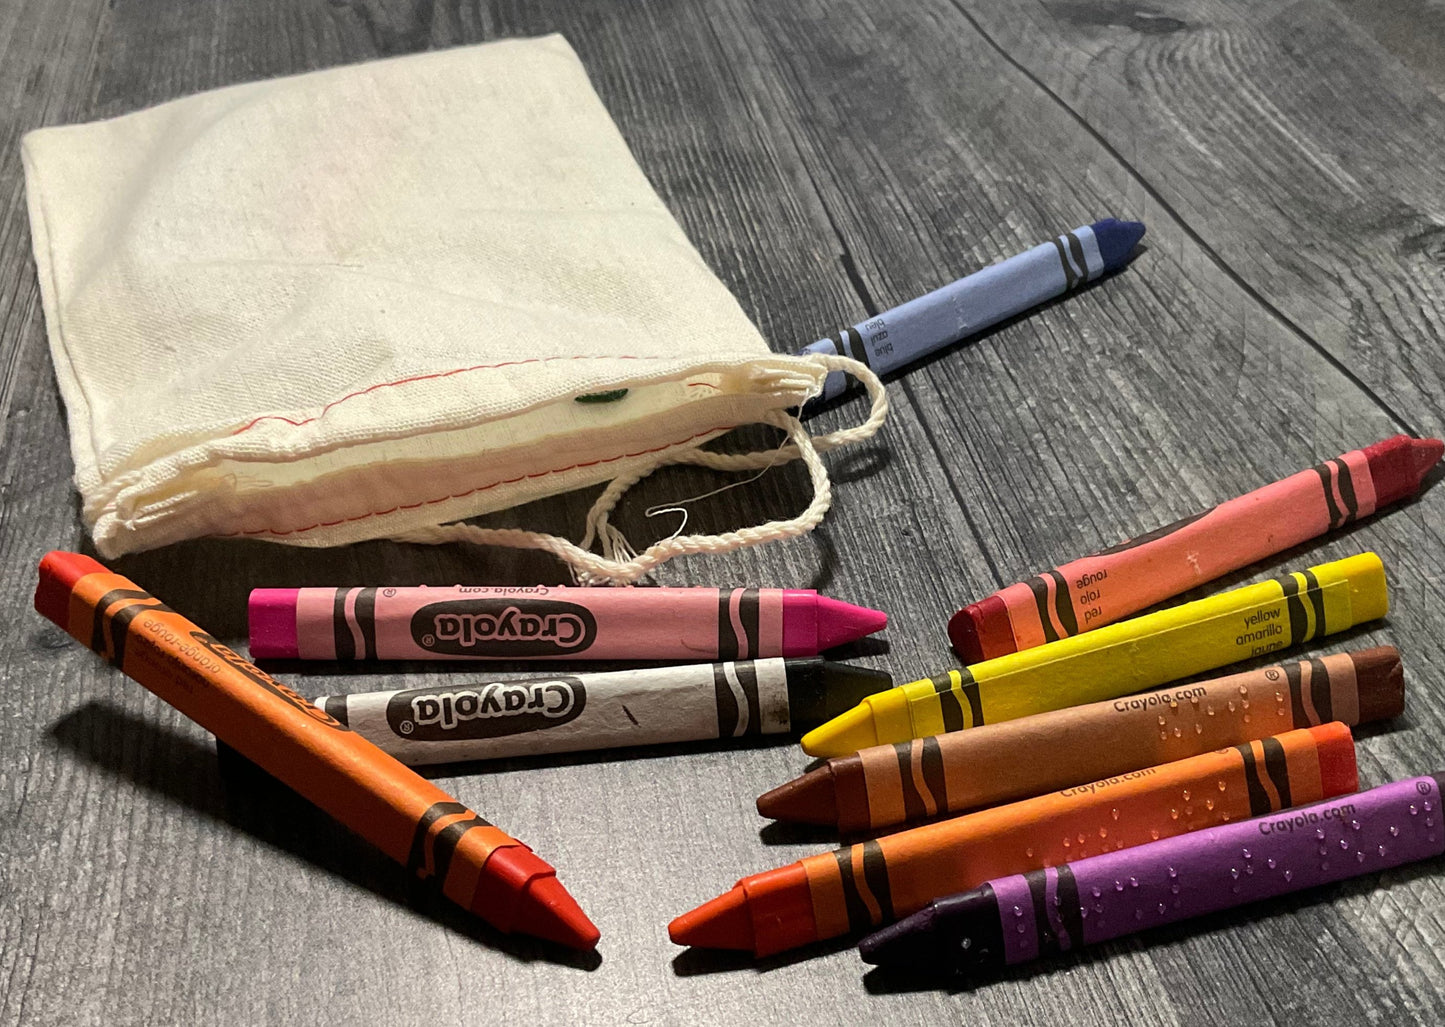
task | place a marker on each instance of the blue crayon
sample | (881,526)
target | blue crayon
(922,326)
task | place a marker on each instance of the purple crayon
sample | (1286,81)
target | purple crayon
(551,623)
(1025,917)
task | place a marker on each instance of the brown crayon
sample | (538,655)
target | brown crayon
(865,885)
(413,821)
(886,785)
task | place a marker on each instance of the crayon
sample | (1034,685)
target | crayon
(1132,655)
(887,785)
(1113,584)
(407,817)
(876,882)
(494,718)
(550,623)
(1023,917)
(925,325)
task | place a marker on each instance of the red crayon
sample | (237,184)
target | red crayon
(413,821)
(551,623)
(1115,583)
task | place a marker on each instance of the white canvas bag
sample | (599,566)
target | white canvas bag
(361,303)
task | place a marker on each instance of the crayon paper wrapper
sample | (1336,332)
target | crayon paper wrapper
(567,713)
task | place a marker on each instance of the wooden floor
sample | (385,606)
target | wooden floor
(829,158)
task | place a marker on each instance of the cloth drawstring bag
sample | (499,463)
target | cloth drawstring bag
(362,302)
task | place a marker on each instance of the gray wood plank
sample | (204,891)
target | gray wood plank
(818,174)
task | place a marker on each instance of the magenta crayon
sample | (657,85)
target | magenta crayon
(1096,590)
(551,623)
(1029,916)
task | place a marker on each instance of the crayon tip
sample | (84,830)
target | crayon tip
(908,942)
(840,623)
(720,923)
(272,616)
(809,799)
(982,630)
(547,910)
(59,571)
(1398,465)
(1117,240)
(1379,683)
(844,734)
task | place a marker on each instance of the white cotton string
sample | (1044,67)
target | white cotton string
(620,564)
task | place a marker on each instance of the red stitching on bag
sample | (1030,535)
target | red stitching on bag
(429,377)
(479,488)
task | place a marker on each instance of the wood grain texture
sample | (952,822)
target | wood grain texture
(829,158)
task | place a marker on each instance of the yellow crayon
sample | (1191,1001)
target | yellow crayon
(1118,659)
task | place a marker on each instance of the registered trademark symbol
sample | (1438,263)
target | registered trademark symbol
(406,727)
(1272,675)
(390,593)
(1423,787)
(428,640)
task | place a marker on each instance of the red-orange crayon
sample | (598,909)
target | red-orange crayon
(413,821)
(1115,583)
(876,882)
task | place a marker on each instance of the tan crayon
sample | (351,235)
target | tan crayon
(887,785)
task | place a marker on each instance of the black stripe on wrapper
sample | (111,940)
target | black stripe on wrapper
(1326,483)
(1040,588)
(1070,911)
(1063,605)
(969,687)
(727,641)
(366,621)
(913,807)
(1038,883)
(1258,797)
(1292,674)
(727,704)
(1277,767)
(100,621)
(1347,490)
(416,858)
(335,707)
(875,872)
(1320,693)
(1076,247)
(1298,621)
(1316,597)
(749,613)
(858,918)
(933,776)
(1070,279)
(448,838)
(948,705)
(340,629)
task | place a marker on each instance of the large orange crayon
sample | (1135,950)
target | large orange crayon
(887,785)
(1117,582)
(414,822)
(862,886)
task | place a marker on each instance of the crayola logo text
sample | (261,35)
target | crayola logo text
(485,711)
(504,627)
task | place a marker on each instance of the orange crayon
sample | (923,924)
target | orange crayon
(414,822)
(862,886)
(1097,590)
(887,785)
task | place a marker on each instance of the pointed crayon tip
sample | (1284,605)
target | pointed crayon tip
(1117,240)
(547,910)
(909,942)
(1427,453)
(720,923)
(809,799)
(844,734)
(840,623)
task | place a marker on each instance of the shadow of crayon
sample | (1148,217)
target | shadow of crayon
(225,787)
(699,962)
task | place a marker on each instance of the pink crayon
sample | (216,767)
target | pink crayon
(550,623)
(1115,583)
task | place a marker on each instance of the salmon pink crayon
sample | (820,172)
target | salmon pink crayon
(1115,583)
(551,623)
(473,863)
